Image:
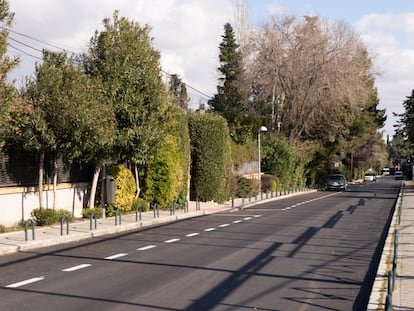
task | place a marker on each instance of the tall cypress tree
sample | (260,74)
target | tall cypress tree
(228,101)
(179,91)
(406,122)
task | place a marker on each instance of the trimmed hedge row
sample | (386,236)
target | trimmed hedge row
(210,156)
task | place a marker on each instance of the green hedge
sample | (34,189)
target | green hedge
(167,173)
(210,155)
(244,187)
(47,217)
(86,212)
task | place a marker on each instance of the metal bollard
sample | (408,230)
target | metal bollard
(172,208)
(92,215)
(118,213)
(62,219)
(388,302)
(26,226)
(156,210)
(138,210)
(390,287)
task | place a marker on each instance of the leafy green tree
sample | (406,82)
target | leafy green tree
(405,127)
(229,101)
(167,175)
(9,110)
(366,148)
(178,91)
(210,157)
(70,116)
(402,145)
(123,58)
(281,161)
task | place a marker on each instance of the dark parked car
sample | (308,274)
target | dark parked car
(399,175)
(336,182)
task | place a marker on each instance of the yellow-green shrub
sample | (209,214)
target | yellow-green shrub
(125,187)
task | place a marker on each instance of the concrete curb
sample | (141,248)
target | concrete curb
(77,234)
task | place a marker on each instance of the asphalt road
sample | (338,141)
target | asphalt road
(317,251)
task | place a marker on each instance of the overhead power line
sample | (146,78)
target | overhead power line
(22,43)
(191,87)
(198,92)
(24,52)
(37,40)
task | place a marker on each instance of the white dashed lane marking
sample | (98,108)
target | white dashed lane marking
(146,247)
(192,234)
(85,265)
(116,256)
(224,225)
(171,241)
(25,282)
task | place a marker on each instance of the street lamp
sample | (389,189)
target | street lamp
(261,129)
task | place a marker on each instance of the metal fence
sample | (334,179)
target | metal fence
(20,168)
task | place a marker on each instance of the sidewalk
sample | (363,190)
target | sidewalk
(13,242)
(403,293)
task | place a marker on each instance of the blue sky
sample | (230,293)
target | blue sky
(187,34)
(349,11)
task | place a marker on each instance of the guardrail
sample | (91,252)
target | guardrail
(392,274)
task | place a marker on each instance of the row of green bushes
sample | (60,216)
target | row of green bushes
(47,217)
(204,140)
(269,183)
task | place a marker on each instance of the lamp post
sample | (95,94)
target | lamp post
(261,129)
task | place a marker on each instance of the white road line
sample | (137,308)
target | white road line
(146,247)
(116,256)
(171,241)
(18,284)
(247,218)
(77,267)
(257,216)
(237,221)
(209,229)
(192,234)
(224,225)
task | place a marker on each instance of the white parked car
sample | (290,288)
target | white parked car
(370,177)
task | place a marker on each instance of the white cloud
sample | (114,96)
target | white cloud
(390,36)
(275,9)
(186,32)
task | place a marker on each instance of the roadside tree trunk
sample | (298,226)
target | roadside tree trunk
(41,170)
(137,182)
(95,179)
(54,182)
